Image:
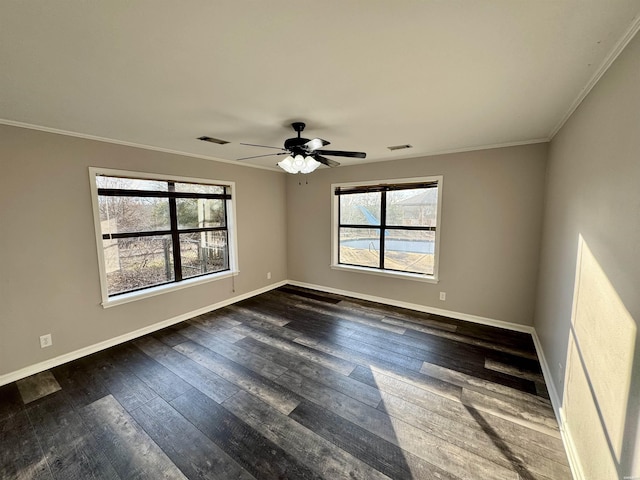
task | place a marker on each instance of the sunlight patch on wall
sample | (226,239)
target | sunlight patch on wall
(599,367)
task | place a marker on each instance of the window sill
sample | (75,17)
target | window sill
(387,273)
(171,287)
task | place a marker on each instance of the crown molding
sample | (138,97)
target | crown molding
(485,147)
(608,61)
(68,133)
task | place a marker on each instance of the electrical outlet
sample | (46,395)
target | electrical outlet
(268,275)
(46,341)
(443,296)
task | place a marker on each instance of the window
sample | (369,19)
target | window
(155,233)
(388,227)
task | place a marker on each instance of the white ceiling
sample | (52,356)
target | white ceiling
(440,75)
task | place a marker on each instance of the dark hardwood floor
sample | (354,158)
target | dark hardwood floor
(294,384)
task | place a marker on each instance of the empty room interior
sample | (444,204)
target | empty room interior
(320,240)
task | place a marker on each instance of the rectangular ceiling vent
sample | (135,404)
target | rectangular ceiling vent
(213,140)
(400,147)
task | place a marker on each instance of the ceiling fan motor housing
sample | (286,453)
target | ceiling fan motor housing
(307,148)
(295,145)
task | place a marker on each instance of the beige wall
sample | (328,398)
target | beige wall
(49,279)
(588,304)
(490,231)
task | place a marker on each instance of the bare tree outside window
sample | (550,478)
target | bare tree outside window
(156,232)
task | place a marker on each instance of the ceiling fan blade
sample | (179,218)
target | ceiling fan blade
(339,153)
(315,144)
(258,156)
(327,161)
(263,146)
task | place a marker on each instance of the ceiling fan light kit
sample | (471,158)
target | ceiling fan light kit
(299,164)
(304,155)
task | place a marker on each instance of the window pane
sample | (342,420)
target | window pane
(131,183)
(203,252)
(200,212)
(133,214)
(409,251)
(416,207)
(360,209)
(199,188)
(133,263)
(360,246)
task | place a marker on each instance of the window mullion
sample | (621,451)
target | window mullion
(224,206)
(339,227)
(226,226)
(383,224)
(175,236)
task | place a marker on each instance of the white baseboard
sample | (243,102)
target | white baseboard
(565,432)
(420,308)
(570,448)
(553,394)
(82,352)
(574,462)
(548,378)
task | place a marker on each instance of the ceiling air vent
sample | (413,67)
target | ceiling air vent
(213,140)
(400,147)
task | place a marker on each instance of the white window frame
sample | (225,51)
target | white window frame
(335,222)
(170,287)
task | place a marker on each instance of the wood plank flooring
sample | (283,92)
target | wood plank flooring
(291,384)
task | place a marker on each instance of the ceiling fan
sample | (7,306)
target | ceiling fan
(304,155)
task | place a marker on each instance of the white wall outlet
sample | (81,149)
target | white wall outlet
(443,296)
(46,341)
(268,275)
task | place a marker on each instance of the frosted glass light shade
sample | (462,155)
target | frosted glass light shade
(299,164)
(287,165)
(310,164)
